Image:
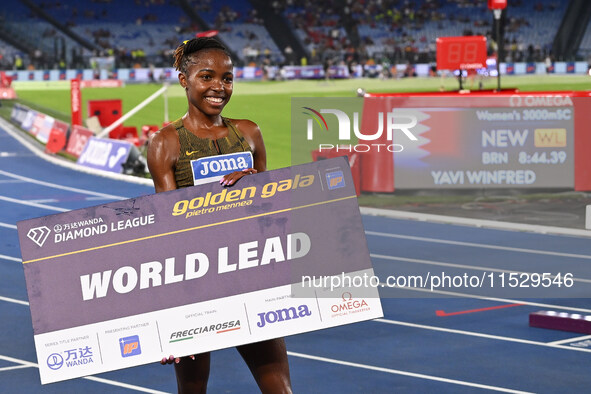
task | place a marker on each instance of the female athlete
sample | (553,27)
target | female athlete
(206,73)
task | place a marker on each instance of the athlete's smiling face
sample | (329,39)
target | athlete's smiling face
(208,80)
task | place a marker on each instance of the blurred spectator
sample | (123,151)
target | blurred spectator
(288,52)
(18,62)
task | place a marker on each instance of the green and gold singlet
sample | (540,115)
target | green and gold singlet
(193,147)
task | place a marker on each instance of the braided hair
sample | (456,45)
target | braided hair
(187,48)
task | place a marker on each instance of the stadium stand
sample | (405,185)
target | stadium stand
(139,33)
(142,32)
(136,32)
(536,33)
(241,28)
(585,48)
(317,26)
(408,33)
(25,41)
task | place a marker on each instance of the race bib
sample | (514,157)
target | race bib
(213,168)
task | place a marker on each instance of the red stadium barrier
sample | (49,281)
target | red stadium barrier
(5,80)
(76,102)
(6,91)
(57,137)
(107,111)
(127,133)
(582,102)
(148,130)
(79,136)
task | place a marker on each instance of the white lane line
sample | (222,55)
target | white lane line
(13,301)
(56,186)
(569,340)
(93,378)
(15,367)
(404,373)
(481,335)
(4,257)
(18,361)
(95,198)
(7,225)
(477,245)
(452,265)
(412,325)
(11,181)
(125,385)
(495,299)
(32,204)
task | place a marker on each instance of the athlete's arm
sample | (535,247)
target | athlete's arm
(163,153)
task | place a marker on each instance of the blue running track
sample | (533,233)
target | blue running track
(458,339)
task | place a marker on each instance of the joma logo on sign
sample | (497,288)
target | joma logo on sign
(285,314)
(208,169)
(394,121)
(39,235)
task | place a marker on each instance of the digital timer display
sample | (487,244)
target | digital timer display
(552,157)
(461,53)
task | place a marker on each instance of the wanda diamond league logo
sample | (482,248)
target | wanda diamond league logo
(39,235)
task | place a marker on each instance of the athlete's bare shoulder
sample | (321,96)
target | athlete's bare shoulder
(164,140)
(163,154)
(247,127)
(165,135)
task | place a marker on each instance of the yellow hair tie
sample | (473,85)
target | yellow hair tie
(186,41)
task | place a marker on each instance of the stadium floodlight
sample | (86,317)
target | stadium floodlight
(497,6)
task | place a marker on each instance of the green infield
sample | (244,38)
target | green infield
(266,103)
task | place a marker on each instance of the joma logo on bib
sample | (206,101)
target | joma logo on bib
(213,168)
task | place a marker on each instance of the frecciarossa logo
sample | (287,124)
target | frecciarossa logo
(284,314)
(212,168)
(218,328)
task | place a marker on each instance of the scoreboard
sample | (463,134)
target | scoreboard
(506,139)
(500,147)
(461,53)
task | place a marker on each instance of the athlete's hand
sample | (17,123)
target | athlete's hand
(172,359)
(232,178)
